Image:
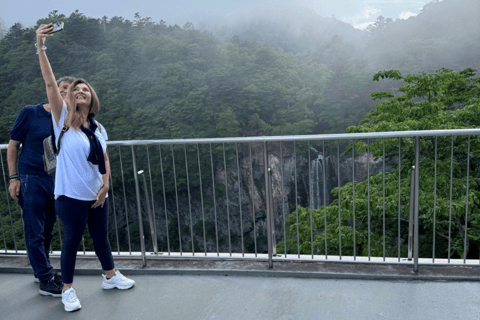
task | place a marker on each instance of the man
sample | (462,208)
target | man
(33,188)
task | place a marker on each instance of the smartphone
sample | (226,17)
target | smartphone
(57,27)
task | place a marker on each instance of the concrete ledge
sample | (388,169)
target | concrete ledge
(254,268)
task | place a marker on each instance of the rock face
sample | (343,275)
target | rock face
(239,211)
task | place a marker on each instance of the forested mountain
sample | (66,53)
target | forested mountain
(256,76)
(446,34)
(156,81)
(268,77)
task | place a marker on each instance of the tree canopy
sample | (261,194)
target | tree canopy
(445,99)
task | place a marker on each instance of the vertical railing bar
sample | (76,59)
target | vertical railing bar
(383,179)
(226,193)
(1,224)
(214,201)
(296,197)
(151,193)
(139,207)
(412,214)
(164,197)
(466,204)
(368,195)
(125,201)
(253,201)
(151,224)
(268,203)
(114,210)
(283,201)
(416,198)
(399,185)
(324,198)
(339,204)
(189,200)
(176,199)
(310,197)
(353,194)
(450,212)
(83,244)
(273,242)
(240,199)
(8,204)
(434,200)
(201,199)
(3,233)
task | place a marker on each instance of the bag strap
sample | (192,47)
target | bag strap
(64,129)
(52,137)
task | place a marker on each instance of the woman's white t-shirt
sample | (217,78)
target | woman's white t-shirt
(75,176)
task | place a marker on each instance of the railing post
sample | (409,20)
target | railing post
(149,213)
(410,223)
(272,216)
(139,209)
(268,207)
(417,177)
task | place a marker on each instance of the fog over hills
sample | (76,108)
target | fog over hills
(292,30)
(445,30)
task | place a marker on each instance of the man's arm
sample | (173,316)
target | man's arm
(12,152)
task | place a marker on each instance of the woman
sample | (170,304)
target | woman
(81,182)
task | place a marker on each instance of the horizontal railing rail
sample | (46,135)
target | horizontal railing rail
(239,197)
(313,137)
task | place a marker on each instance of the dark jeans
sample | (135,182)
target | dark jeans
(75,214)
(37,202)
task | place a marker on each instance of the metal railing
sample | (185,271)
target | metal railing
(263,204)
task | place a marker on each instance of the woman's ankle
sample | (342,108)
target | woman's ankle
(110,273)
(67,286)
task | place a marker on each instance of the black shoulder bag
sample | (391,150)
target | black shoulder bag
(50,151)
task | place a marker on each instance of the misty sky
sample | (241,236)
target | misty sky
(359,13)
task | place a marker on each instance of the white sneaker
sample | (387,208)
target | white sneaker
(118,281)
(70,300)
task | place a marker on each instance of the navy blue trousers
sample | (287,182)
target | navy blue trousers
(75,215)
(37,202)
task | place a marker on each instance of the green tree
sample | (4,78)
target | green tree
(3,29)
(443,100)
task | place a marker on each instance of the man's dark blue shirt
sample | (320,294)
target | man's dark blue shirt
(32,125)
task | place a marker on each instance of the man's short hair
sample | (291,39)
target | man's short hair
(66,78)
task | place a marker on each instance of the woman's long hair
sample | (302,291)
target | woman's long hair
(76,114)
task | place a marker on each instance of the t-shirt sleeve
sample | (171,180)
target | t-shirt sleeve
(20,126)
(58,129)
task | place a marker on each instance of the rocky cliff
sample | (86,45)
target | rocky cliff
(295,180)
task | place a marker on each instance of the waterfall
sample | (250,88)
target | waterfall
(315,177)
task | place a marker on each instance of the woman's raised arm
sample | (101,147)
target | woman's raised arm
(54,98)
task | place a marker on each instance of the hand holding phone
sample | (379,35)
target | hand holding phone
(57,27)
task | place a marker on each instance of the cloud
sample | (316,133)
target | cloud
(362,26)
(361,20)
(406,15)
(369,11)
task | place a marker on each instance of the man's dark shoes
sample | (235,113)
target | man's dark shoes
(52,288)
(58,277)
(56,274)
